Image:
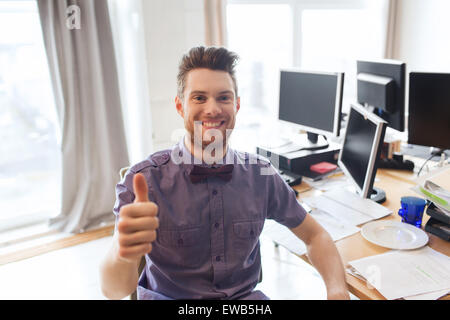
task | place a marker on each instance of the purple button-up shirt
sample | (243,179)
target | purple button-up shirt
(207,244)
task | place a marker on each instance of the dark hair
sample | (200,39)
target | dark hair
(214,58)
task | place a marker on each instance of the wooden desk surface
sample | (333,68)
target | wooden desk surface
(396,184)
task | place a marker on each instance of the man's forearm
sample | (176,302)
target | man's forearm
(324,256)
(118,278)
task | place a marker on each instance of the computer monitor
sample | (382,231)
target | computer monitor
(360,151)
(312,101)
(429,110)
(381,89)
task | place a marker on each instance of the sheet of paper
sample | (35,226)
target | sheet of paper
(354,201)
(338,210)
(335,227)
(348,207)
(283,236)
(398,274)
(429,296)
(329,183)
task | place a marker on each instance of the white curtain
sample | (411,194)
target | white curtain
(215,22)
(128,28)
(78,41)
(390,14)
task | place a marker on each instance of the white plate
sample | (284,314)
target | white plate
(394,235)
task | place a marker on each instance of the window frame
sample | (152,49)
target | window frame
(298,6)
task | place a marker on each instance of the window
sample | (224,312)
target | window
(319,35)
(30,161)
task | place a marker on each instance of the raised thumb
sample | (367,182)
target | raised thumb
(140,188)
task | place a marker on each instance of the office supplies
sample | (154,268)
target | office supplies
(323,167)
(329,183)
(411,210)
(394,235)
(438,214)
(434,193)
(438,228)
(337,228)
(284,237)
(429,295)
(347,206)
(361,150)
(403,273)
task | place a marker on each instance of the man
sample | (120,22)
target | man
(196,211)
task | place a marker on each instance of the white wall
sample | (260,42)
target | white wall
(422,37)
(172,27)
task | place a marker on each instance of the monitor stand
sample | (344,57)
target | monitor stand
(378,195)
(308,142)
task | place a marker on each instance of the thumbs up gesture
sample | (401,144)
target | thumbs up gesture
(137,223)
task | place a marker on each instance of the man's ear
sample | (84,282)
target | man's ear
(179,106)
(238,104)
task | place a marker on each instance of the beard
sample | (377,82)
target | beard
(212,143)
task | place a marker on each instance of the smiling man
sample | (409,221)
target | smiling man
(195,212)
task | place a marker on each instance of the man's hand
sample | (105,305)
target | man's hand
(137,224)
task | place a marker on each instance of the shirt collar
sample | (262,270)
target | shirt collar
(188,157)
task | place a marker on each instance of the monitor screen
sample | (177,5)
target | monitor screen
(360,150)
(381,85)
(429,109)
(311,100)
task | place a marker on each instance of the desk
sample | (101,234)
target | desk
(396,184)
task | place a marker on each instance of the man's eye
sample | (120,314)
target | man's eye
(225,98)
(199,98)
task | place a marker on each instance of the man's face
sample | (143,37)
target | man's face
(209,105)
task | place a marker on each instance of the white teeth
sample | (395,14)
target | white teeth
(211,124)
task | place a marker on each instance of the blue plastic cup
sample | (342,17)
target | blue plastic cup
(412,210)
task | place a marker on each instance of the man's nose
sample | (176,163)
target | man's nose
(212,108)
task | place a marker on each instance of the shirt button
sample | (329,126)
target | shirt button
(180,241)
(214,192)
(252,233)
(218,258)
(216,225)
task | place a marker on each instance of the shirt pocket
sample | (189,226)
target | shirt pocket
(180,238)
(246,241)
(180,248)
(248,229)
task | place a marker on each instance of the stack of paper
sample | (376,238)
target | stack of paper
(433,192)
(284,237)
(347,207)
(414,274)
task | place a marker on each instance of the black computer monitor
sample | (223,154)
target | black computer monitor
(360,151)
(429,110)
(313,101)
(381,87)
